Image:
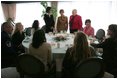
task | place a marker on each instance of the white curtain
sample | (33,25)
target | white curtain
(9,11)
(101,13)
(26,13)
(1,15)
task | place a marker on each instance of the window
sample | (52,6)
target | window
(26,13)
(101,13)
(1,16)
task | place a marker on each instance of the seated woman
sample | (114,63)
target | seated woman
(35,26)
(88,29)
(110,50)
(62,22)
(40,49)
(18,37)
(79,51)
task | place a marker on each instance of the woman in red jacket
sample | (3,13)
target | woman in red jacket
(75,22)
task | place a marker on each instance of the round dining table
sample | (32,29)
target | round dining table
(58,48)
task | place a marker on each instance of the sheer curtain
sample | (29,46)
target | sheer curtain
(9,11)
(26,13)
(1,15)
(101,13)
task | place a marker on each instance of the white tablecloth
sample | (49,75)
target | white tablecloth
(50,39)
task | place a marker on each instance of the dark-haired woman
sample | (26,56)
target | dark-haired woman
(40,49)
(79,51)
(35,26)
(62,22)
(110,50)
(49,20)
(88,29)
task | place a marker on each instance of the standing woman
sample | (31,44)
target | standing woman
(75,22)
(49,20)
(62,22)
(35,26)
(18,37)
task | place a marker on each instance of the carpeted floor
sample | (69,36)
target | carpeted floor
(9,72)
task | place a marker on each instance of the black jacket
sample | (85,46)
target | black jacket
(49,21)
(109,53)
(8,53)
(6,44)
(17,39)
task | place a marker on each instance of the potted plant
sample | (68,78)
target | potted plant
(45,5)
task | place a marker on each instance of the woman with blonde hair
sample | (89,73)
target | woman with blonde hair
(79,51)
(18,37)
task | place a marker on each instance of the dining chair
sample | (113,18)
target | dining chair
(90,68)
(100,34)
(30,66)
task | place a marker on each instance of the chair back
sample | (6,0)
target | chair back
(90,68)
(100,34)
(29,65)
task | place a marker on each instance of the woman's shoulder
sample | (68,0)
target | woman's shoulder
(79,16)
(85,27)
(46,44)
(45,15)
(16,34)
(71,15)
(65,16)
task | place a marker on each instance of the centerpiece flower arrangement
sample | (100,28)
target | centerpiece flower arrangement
(60,38)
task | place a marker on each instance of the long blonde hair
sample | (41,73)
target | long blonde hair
(80,49)
(17,27)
